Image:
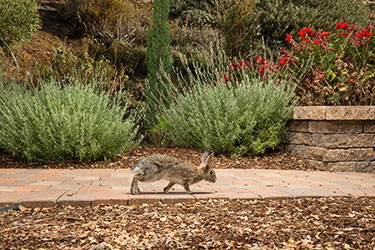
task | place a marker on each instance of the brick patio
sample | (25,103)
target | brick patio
(91,187)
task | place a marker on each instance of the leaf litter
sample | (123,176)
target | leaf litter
(304,223)
(271,160)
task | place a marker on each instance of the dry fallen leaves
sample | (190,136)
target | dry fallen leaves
(326,223)
(272,160)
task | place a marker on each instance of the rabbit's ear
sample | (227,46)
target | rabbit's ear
(205,158)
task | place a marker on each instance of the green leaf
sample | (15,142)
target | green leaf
(330,58)
(342,79)
(335,97)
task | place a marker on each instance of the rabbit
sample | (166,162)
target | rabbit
(162,167)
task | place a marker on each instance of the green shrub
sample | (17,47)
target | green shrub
(55,123)
(18,20)
(279,17)
(209,112)
(250,117)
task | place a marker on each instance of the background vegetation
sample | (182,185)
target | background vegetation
(226,56)
(18,20)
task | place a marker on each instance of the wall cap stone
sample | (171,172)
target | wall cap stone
(334,113)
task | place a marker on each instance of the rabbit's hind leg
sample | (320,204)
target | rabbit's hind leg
(167,188)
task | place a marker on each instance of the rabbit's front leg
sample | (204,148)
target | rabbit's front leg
(187,188)
(134,188)
(167,188)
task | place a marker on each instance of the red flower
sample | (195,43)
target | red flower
(306,31)
(365,33)
(320,75)
(324,34)
(289,38)
(227,77)
(282,61)
(342,25)
(316,42)
(233,66)
(240,64)
(301,33)
(243,64)
(258,60)
(343,34)
(351,81)
(261,69)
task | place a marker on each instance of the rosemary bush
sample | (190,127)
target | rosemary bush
(57,123)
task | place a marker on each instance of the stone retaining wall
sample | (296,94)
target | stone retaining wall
(337,138)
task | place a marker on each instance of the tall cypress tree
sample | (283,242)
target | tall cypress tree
(158,52)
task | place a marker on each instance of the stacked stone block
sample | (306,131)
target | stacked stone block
(337,138)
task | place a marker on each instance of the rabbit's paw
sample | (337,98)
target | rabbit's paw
(135,190)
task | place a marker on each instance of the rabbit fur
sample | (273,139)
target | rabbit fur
(162,167)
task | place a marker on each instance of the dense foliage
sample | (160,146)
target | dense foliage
(248,118)
(339,66)
(196,12)
(57,123)
(239,27)
(210,111)
(330,68)
(279,17)
(116,30)
(18,20)
(196,96)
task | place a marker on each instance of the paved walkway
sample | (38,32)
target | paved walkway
(91,187)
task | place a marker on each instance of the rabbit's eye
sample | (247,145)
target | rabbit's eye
(211,172)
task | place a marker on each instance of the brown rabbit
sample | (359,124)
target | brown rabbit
(163,167)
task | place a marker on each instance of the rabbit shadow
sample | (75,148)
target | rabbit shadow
(174,193)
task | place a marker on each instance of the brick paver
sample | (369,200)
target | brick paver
(91,187)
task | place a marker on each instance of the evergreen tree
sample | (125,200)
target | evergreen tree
(158,52)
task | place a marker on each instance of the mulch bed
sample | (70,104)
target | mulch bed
(318,223)
(271,160)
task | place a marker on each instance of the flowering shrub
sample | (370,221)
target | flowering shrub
(278,18)
(338,66)
(330,68)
